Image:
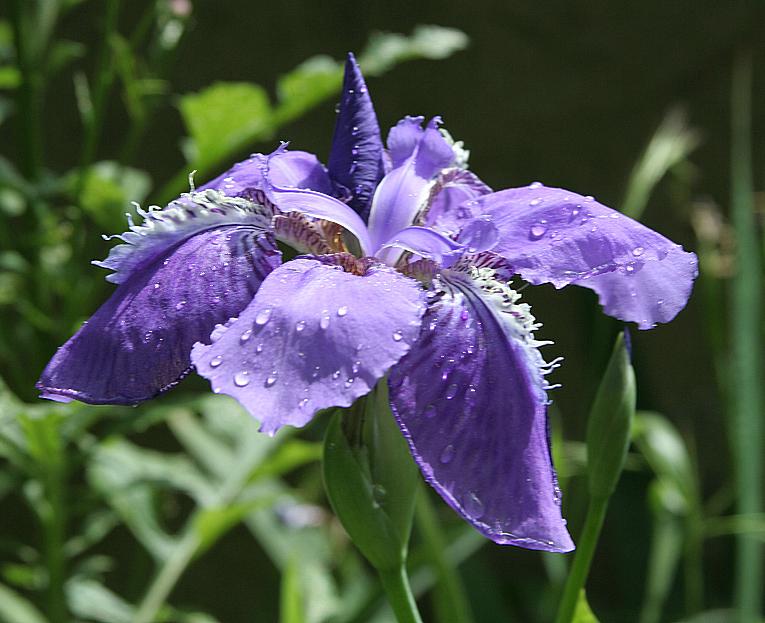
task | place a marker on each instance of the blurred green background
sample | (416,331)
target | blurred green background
(630,102)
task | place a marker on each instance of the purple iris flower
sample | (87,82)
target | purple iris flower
(404,267)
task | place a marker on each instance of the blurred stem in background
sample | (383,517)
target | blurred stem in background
(745,383)
(609,428)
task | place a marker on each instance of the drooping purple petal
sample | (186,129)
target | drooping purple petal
(315,336)
(138,343)
(470,399)
(356,162)
(426,243)
(556,236)
(418,155)
(452,190)
(315,204)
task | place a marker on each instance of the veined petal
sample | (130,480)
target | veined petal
(470,399)
(418,155)
(356,159)
(162,228)
(315,204)
(451,191)
(138,343)
(556,236)
(319,333)
(426,243)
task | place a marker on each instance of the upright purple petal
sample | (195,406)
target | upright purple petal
(418,156)
(296,169)
(470,399)
(452,190)
(356,159)
(317,334)
(138,343)
(556,236)
(315,204)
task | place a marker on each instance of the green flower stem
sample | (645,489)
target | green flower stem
(396,585)
(745,382)
(449,598)
(54,529)
(585,549)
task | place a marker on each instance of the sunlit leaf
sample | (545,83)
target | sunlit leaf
(93,601)
(16,609)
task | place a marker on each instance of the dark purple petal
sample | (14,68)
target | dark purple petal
(355,161)
(138,343)
(418,156)
(297,169)
(453,188)
(314,336)
(556,236)
(470,399)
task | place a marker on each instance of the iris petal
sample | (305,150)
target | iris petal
(315,336)
(356,159)
(470,399)
(418,156)
(138,343)
(551,235)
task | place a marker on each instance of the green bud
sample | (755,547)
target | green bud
(371,479)
(610,422)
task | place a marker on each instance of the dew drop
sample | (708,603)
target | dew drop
(216,361)
(348,382)
(336,375)
(379,493)
(397,336)
(535,202)
(356,367)
(263,316)
(324,320)
(535,185)
(157,286)
(180,305)
(451,391)
(242,378)
(246,335)
(270,379)
(259,349)
(448,454)
(638,251)
(537,230)
(341,311)
(473,506)
(299,325)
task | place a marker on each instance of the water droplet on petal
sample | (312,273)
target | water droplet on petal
(356,367)
(242,378)
(336,374)
(216,361)
(397,336)
(473,506)
(259,349)
(448,454)
(263,316)
(451,391)
(180,305)
(324,320)
(535,185)
(537,230)
(660,302)
(270,379)
(638,251)
(535,202)
(157,286)
(348,382)
(246,335)
(341,311)
(299,325)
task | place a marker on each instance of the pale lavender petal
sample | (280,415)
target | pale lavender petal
(418,156)
(315,204)
(316,335)
(470,399)
(455,187)
(138,343)
(479,234)
(556,236)
(426,243)
(355,161)
(297,169)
